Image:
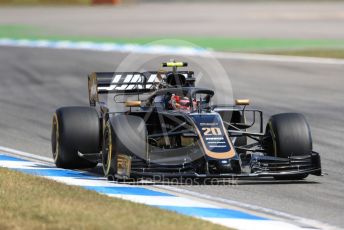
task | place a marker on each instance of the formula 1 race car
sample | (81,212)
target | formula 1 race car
(159,124)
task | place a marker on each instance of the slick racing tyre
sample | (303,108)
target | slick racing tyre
(109,153)
(289,135)
(74,129)
(125,135)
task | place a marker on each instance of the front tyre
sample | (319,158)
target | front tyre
(109,155)
(124,135)
(74,129)
(288,134)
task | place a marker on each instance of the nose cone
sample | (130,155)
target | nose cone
(224,166)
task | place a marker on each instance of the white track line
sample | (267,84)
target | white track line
(247,224)
(26,154)
(102,181)
(21,165)
(308,223)
(285,216)
(277,58)
(164,201)
(160,49)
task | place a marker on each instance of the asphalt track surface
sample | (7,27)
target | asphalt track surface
(34,82)
(243,19)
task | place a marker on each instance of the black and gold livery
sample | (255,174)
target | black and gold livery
(159,124)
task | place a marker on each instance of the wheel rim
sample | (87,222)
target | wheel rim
(107,154)
(55,138)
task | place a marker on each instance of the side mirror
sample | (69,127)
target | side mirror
(242,101)
(133,103)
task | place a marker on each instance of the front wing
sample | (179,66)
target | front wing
(258,166)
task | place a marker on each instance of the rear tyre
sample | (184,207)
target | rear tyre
(288,134)
(74,129)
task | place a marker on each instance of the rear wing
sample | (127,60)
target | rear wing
(127,82)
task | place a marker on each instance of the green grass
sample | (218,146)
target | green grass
(326,53)
(301,47)
(29,202)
